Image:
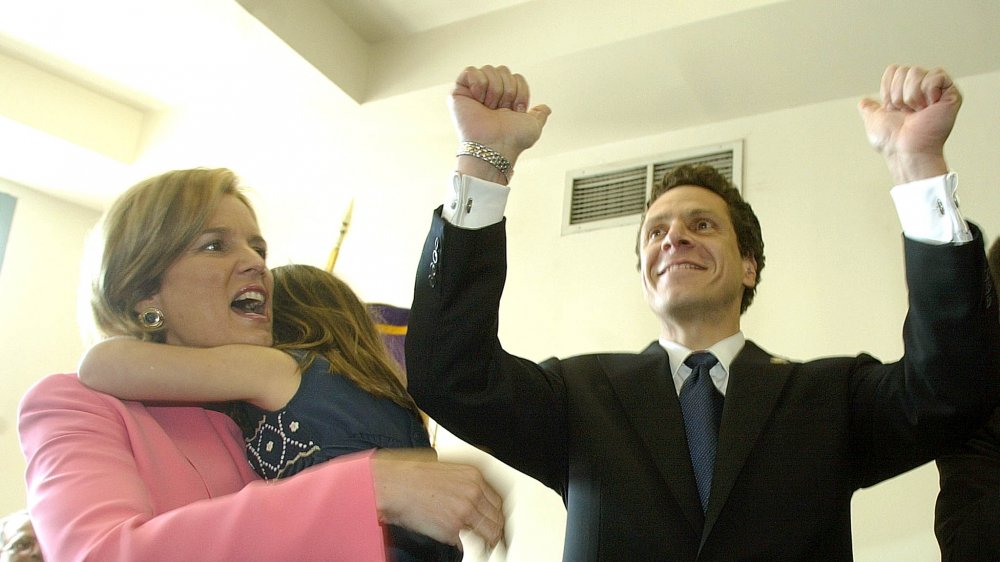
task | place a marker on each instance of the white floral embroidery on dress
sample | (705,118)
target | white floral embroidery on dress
(271,450)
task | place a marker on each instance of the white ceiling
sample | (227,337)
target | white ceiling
(383,20)
(191,82)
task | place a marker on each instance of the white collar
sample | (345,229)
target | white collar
(724,350)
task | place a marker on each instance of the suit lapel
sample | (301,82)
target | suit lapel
(646,390)
(756,380)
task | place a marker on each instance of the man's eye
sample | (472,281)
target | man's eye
(702,225)
(655,233)
(261,251)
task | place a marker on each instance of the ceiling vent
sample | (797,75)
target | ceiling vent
(615,194)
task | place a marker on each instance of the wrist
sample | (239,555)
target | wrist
(906,168)
(382,484)
(484,162)
(472,166)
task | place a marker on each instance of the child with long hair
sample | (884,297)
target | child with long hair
(328,387)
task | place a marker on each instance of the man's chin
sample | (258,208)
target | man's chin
(685,307)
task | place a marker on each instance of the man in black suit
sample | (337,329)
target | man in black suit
(967,514)
(620,436)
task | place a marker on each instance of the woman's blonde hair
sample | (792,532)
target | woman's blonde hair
(146,229)
(316,312)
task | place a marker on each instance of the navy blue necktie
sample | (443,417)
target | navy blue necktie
(701,404)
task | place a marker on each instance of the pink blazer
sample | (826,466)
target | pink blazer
(114,480)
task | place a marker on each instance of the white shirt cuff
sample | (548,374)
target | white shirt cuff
(928,210)
(474,203)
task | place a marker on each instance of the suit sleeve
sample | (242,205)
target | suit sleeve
(967,514)
(89,500)
(457,370)
(948,380)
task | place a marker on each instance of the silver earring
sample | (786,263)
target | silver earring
(151,318)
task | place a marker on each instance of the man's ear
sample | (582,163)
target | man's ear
(749,271)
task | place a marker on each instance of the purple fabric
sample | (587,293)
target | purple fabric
(391,322)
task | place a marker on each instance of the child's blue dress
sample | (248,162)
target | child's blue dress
(330,416)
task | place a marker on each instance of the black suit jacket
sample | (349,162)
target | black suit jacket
(605,430)
(967,514)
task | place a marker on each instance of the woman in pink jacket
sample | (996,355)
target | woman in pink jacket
(120,480)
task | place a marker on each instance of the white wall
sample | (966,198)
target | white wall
(39,333)
(833,252)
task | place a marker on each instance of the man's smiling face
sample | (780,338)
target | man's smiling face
(689,256)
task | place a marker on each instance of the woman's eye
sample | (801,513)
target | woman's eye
(213,246)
